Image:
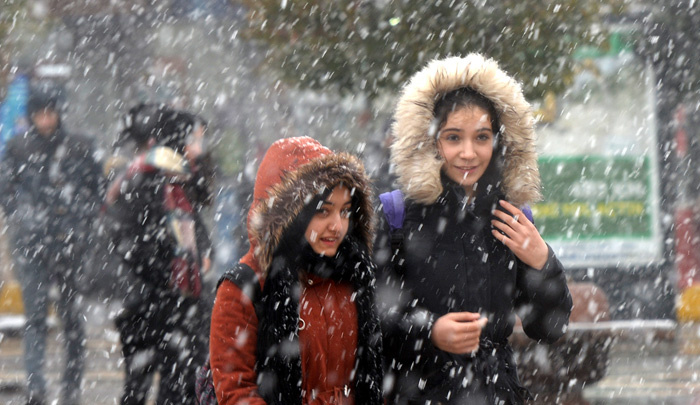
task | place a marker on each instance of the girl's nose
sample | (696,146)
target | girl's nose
(467,151)
(334,224)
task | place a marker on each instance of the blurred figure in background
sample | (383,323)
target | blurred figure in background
(152,216)
(50,193)
(108,276)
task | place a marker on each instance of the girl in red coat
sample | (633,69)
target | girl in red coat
(317,340)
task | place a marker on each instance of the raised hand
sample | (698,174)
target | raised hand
(520,236)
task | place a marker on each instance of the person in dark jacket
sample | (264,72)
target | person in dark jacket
(50,190)
(151,214)
(317,340)
(470,260)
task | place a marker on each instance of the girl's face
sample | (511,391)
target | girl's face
(329,224)
(465,141)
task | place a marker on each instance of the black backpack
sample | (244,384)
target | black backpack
(247,280)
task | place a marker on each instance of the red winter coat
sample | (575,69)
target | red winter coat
(328,331)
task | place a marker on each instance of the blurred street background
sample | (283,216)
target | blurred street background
(615,86)
(648,365)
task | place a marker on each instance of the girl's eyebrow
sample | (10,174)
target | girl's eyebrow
(460,130)
(451,129)
(331,203)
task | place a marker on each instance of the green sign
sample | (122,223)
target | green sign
(595,198)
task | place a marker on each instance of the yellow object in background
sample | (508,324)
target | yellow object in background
(688,308)
(547,112)
(11,298)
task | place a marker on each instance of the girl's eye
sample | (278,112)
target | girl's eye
(322,212)
(346,212)
(452,138)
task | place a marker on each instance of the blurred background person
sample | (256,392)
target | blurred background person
(151,215)
(50,190)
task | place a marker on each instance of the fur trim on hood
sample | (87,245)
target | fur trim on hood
(414,150)
(296,187)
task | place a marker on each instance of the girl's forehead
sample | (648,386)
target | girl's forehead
(338,192)
(469,114)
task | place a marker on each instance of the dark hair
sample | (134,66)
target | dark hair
(464,97)
(489,182)
(174,129)
(141,123)
(45,96)
(166,126)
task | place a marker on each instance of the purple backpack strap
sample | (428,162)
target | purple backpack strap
(393,207)
(528,213)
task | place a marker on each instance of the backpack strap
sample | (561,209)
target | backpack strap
(528,213)
(394,210)
(247,280)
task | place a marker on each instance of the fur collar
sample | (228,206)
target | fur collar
(414,152)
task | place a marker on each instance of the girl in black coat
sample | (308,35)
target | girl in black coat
(470,260)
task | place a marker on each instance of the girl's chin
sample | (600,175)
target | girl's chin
(324,252)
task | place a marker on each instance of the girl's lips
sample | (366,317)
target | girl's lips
(329,241)
(466,168)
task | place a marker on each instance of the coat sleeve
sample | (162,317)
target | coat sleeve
(127,226)
(203,180)
(122,216)
(232,344)
(8,180)
(204,243)
(92,183)
(406,326)
(543,301)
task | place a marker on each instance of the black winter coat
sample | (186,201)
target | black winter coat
(452,263)
(135,220)
(50,188)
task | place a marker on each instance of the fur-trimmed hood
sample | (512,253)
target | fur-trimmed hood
(414,150)
(292,173)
